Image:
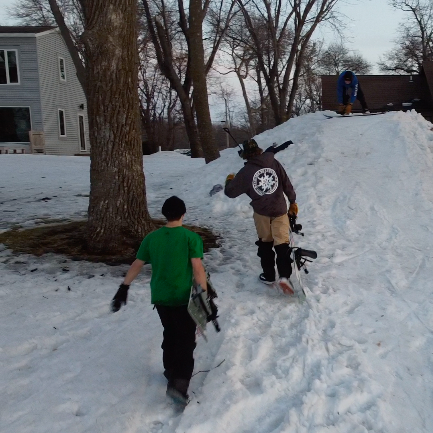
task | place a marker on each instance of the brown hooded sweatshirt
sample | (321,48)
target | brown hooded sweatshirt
(264,180)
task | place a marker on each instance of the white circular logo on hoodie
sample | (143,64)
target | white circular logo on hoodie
(265,181)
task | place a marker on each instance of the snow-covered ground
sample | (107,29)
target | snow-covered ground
(357,357)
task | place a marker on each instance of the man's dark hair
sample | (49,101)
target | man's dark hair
(250,149)
(173,208)
(348,76)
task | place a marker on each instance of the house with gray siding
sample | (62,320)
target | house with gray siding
(42,104)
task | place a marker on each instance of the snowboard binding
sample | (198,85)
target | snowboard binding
(202,307)
(212,294)
(301,256)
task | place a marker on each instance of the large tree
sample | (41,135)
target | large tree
(159,103)
(280,32)
(240,59)
(337,58)
(176,33)
(117,204)
(309,95)
(414,44)
(197,14)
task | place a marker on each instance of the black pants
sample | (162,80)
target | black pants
(179,342)
(359,96)
(267,259)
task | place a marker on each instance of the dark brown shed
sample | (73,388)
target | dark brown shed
(388,92)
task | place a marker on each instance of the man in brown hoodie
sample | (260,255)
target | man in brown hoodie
(265,181)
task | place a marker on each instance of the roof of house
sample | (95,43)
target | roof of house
(25,29)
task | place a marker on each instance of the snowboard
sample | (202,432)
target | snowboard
(198,308)
(299,257)
(343,116)
(202,308)
(295,278)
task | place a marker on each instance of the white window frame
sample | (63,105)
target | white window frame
(63,80)
(84,132)
(8,83)
(64,122)
(31,125)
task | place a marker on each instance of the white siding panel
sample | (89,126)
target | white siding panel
(27,92)
(56,94)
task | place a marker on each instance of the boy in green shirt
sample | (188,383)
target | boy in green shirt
(175,254)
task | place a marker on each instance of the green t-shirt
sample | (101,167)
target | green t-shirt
(169,250)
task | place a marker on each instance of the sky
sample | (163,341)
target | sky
(371,25)
(355,356)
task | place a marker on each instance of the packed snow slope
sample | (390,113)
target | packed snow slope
(356,357)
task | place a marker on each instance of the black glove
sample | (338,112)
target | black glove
(119,298)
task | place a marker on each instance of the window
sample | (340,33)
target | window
(62,69)
(15,124)
(62,126)
(81,132)
(8,67)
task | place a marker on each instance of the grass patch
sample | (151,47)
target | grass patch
(69,239)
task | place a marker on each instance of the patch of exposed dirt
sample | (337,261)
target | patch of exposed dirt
(69,239)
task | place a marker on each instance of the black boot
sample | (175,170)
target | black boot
(168,374)
(284,261)
(177,390)
(267,260)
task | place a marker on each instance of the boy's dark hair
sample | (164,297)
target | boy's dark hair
(348,76)
(173,208)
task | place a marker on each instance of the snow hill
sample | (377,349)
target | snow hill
(357,357)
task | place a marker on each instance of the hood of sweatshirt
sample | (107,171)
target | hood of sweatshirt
(263,160)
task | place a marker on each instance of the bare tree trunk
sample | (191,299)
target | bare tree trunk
(191,128)
(295,84)
(262,98)
(170,131)
(251,120)
(171,122)
(117,205)
(198,75)
(149,127)
(277,63)
(164,56)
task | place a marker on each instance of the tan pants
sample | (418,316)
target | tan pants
(272,229)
